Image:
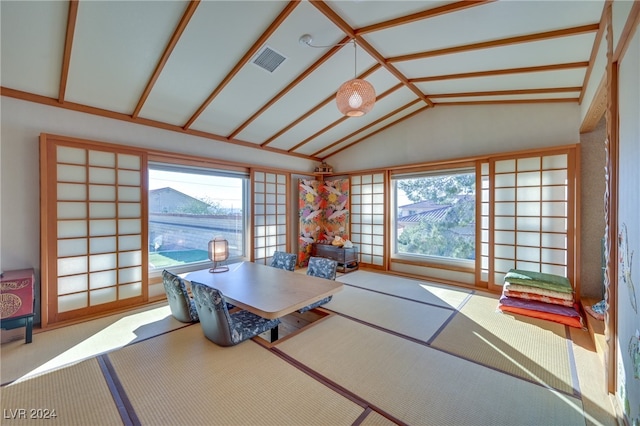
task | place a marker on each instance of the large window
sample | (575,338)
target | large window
(435,215)
(190,206)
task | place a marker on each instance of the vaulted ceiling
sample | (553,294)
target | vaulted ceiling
(190,66)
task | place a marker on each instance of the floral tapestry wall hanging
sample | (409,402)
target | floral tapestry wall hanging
(324,213)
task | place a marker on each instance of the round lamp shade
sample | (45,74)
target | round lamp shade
(355,97)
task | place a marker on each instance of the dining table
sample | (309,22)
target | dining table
(265,290)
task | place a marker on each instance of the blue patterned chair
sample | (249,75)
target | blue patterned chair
(221,327)
(181,305)
(283,260)
(323,268)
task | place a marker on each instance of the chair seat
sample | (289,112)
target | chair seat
(246,325)
(315,304)
(323,268)
(221,326)
(181,304)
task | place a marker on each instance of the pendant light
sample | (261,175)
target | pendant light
(355,97)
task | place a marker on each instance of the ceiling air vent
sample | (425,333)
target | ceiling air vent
(268,59)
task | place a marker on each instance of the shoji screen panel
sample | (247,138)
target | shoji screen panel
(367,217)
(93,229)
(533,217)
(485,220)
(270,221)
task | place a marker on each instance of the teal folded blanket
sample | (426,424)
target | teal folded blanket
(539,280)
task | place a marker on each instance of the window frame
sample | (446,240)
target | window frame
(423,259)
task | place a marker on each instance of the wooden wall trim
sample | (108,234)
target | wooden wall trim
(596,109)
(610,212)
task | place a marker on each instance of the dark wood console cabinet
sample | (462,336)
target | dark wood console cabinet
(17,301)
(347,258)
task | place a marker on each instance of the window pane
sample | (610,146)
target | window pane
(435,214)
(188,207)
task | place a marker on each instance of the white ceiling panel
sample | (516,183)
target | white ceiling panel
(327,115)
(491,21)
(383,123)
(258,85)
(207,51)
(547,52)
(537,80)
(505,98)
(307,95)
(391,102)
(32,60)
(117,45)
(359,14)
(322,118)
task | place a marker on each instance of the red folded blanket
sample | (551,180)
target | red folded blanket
(537,297)
(571,321)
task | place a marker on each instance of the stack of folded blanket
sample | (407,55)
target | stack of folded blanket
(540,295)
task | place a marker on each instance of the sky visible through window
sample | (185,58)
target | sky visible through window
(227,192)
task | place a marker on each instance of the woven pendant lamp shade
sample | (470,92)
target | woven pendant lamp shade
(355,97)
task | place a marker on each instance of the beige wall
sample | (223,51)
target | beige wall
(592,189)
(448,132)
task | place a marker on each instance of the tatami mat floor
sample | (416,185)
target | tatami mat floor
(391,351)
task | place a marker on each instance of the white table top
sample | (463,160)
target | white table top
(264,290)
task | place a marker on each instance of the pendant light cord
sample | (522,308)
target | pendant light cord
(355,60)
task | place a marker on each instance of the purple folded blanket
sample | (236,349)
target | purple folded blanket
(539,306)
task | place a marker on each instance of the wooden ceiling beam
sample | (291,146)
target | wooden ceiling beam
(315,109)
(406,117)
(491,73)
(173,41)
(68,45)
(291,85)
(507,92)
(365,128)
(498,43)
(72,106)
(594,52)
(244,60)
(341,119)
(340,23)
(425,14)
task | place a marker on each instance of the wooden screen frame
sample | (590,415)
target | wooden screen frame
(48,229)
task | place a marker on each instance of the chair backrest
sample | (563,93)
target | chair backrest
(178,298)
(284,260)
(214,315)
(322,267)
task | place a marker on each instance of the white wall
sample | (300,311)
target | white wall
(22,122)
(439,133)
(628,280)
(448,132)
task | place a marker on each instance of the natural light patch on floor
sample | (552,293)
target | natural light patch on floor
(421,291)
(113,336)
(570,402)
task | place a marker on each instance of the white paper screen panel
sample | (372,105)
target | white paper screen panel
(99,227)
(269,214)
(485,207)
(367,217)
(530,216)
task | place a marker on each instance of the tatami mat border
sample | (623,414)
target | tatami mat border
(409,298)
(577,392)
(368,407)
(127,413)
(446,323)
(108,351)
(572,363)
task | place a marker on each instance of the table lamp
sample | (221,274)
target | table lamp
(218,252)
